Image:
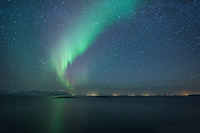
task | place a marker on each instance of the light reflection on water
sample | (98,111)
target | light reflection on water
(90,114)
(57,116)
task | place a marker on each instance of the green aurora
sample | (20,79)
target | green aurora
(85,29)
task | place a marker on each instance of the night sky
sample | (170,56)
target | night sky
(100,46)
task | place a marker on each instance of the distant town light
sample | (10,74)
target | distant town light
(130,95)
(93,95)
(145,95)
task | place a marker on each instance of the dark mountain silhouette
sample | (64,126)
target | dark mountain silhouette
(33,93)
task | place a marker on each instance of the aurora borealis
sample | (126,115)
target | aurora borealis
(81,34)
(103,46)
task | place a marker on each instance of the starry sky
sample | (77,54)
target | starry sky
(134,46)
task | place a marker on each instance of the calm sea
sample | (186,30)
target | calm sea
(99,115)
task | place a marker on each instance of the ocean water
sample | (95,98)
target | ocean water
(99,115)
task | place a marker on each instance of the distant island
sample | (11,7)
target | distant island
(34,93)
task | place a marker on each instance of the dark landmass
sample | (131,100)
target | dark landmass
(34,93)
(66,97)
(65,94)
(194,95)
